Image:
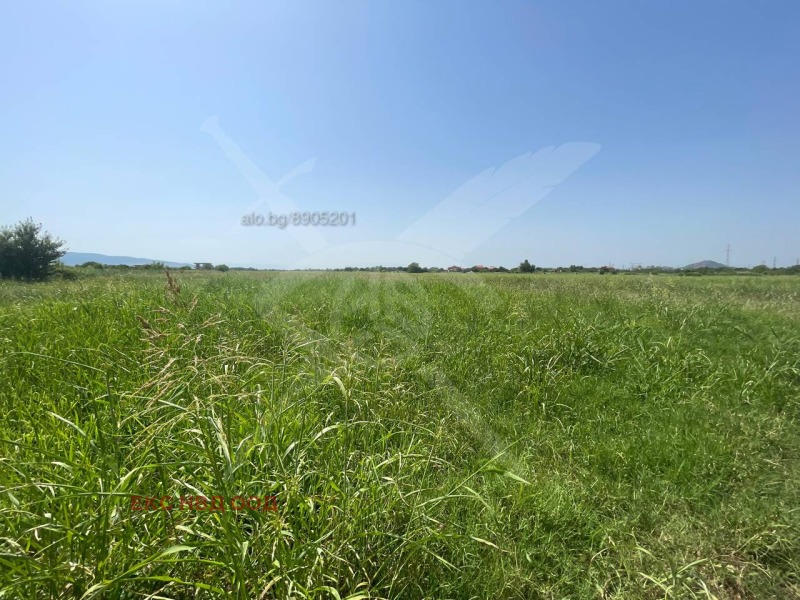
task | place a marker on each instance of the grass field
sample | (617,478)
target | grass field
(432,436)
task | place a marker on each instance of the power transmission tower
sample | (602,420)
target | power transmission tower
(774,259)
(728,255)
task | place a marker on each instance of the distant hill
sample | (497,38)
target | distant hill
(72,259)
(706,264)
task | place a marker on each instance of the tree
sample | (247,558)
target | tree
(526,267)
(156,265)
(27,253)
(92,264)
(414,268)
(222,268)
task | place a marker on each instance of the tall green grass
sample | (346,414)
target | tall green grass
(443,436)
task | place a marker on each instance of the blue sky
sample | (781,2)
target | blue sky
(693,108)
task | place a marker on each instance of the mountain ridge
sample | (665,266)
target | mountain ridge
(706,264)
(72,259)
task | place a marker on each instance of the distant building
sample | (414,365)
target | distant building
(203,266)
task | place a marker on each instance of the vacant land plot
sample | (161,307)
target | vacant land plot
(439,436)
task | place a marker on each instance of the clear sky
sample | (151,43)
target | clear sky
(685,117)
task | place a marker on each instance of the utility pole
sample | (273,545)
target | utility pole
(728,256)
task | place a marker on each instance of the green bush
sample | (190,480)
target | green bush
(27,253)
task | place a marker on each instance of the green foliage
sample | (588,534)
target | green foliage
(222,268)
(27,253)
(61,271)
(414,268)
(447,436)
(526,267)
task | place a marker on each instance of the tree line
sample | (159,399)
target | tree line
(28,253)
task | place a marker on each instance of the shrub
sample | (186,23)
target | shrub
(92,265)
(27,253)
